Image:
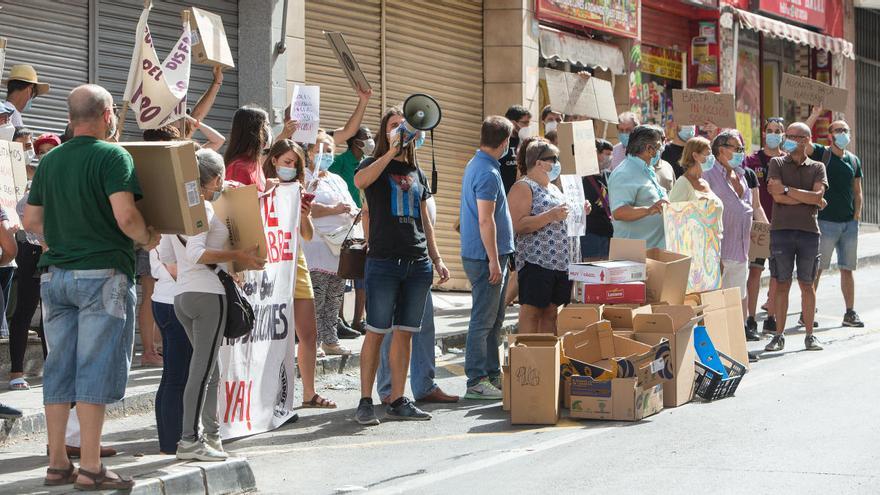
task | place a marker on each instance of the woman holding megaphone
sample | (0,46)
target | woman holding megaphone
(401,254)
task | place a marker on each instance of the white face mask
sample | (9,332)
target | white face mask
(524,133)
(551,126)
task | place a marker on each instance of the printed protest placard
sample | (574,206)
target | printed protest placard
(347,61)
(698,107)
(813,92)
(573,188)
(760,244)
(305,108)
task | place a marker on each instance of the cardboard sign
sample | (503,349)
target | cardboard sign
(8,198)
(760,245)
(210,46)
(806,90)
(692,107)
(19,170)
(347,61)
(577,148)
(239,208)
(572,94)
(573,188)
(305,108)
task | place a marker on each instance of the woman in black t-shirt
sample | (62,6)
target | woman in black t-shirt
(400,256)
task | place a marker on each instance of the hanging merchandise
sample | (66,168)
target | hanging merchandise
(704,55)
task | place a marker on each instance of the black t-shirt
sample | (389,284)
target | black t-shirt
(672,154)
(599,220)
(508,164)
(751,178)
(394,201)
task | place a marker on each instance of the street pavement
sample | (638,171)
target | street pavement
(801,423)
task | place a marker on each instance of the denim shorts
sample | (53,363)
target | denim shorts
(396,293)
(843,237)
(89,328)
(790,249)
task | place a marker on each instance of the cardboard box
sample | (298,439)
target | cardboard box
(573,95)
(668,275)
(607,272)
(577,148)
(209,46)
(620,399)
(722,317)
(577,317)
(534,380)
(169,177)
(675,324)
(695,107)
(239,208)
(348,62)
(759,246)
(631,293)
(621,316)
(505,387)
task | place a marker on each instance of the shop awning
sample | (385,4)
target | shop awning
(559,46)
(779,29)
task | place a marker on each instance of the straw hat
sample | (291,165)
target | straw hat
(26,73)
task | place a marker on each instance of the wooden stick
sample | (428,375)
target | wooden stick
(121,126)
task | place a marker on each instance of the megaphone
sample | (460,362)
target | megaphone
(421,113)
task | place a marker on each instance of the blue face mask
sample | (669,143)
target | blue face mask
(841,139)
(286,174)
(324,161)
(420,140)
(709,164)
(737,159)
(215,195)
(624,138)
(789,145)
(506,149)
(27,106)
(687,132)
(555,170)
(773,141)
(656,158)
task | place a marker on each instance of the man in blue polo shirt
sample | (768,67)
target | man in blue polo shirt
(486,246)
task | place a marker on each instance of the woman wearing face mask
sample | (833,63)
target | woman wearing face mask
(249,136)
(286,162)
(696,159)
(200,306)
(675,148)
(538,210)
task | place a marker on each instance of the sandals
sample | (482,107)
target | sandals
(18,384)
(334,350)
(100,481)
(319,402)
(67,476)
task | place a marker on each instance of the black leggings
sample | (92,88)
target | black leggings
(27,298)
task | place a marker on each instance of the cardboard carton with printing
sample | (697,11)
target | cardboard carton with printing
(722,317)
(621,399)
(675,324)
(210,46)
(577,317)
(534,380)
(169,180)
(623,293)
(626,263)
(239,208)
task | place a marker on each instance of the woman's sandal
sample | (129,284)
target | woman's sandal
(66,476)
(100,481)
(319,402)
(18,384)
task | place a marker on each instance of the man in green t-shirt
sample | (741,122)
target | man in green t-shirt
(345,164)
(82,200)
(839,221)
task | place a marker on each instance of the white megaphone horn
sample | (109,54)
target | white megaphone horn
(421,113)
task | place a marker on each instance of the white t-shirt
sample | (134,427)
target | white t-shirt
(329,191)
(15,116)
(163,291)
(193,276)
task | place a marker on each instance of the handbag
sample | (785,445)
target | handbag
(335,238)
(352,255)
(240,318)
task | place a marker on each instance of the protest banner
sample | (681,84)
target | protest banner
(693,228)
(573,188)
(573,94)
(305,108)
(760,241)
(692,107)
(209,43)
(577,148)
(257,371)
(157,93)
(813,92)
(347,61)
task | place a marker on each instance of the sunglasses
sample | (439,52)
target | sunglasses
(796,137)
(738,149)
(551,159)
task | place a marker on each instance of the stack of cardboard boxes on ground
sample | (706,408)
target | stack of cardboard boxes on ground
(620,361)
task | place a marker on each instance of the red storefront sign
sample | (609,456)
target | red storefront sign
(809,12)
(620,17)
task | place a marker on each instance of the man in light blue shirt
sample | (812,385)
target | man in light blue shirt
(486,246)
(635,195)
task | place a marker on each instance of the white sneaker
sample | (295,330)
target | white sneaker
(214,442)
(198,451)
(483,391)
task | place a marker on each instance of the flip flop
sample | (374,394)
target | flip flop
(68,476)
(18,384)
(319,402)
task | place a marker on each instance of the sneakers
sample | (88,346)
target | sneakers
(484,391)
(214,442)
(198,451)
(9,412)
(406,410)
(365,414)
(851,319)
(801,322)
(777,343)
(497,382)
(769,326)
(752,330)
(344,331)
(812,343)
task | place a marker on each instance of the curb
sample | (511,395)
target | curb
(232,476)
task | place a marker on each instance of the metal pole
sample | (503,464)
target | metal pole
(382,55)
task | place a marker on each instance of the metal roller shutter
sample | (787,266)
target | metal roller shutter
(360,25)
(117,22)
(437,48)
(53,36)
(663,29)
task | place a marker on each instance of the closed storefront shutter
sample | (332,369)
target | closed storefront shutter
(867,127)
(437,48)
(117,22)
(665,30)
(53,36)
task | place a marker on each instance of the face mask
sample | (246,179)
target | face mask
(286,174)
(624,138)
(555,170)
(550,126)
(215,195)
(27,106)
(506,149)
(709,164)
(687,132)
(656,158)
(324,161)
(737,159)
(112,130)
(31,156)
(368,146)
(604,162)
(420,140)
(7,131)
(773,141)
(524,133)
(789,145)
(841,139)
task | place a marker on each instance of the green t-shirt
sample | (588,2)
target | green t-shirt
(840,171)
(345,165)
(73,184)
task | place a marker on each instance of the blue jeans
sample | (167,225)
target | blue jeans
(176,353)
(421,362)
(396,293)
(594,246)
(842,236)
(89,327)
(487,316)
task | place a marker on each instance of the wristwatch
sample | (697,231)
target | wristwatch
(785,191)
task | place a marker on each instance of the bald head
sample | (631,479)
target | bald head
(801,129)
(86,104)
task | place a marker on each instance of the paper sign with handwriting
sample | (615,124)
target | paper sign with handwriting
(305,108)
(698,107)
(813,92)
(760,243)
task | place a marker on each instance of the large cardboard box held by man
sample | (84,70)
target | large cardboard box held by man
(534,380)
(675,324)
(169,177)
